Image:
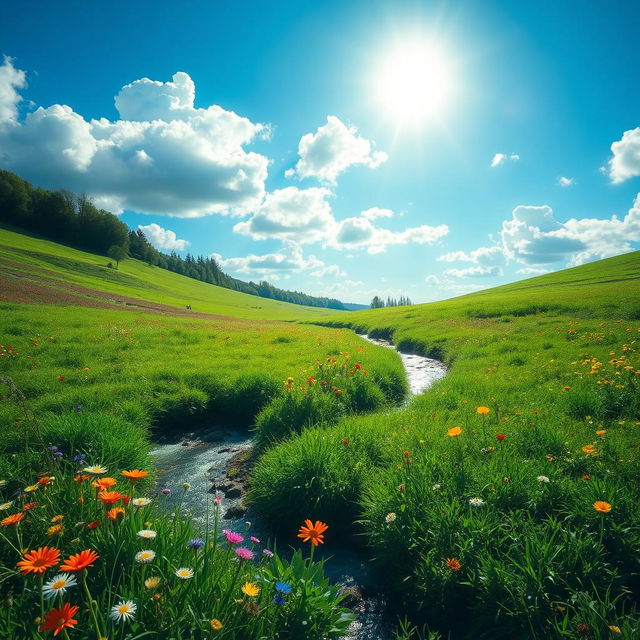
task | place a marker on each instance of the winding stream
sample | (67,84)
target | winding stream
(202,460)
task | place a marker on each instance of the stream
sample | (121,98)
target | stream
(200,459)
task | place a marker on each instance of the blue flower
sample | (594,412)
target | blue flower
(195,543)
(283,587)
(80,458)
(279,600)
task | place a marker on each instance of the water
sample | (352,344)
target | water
(203,460)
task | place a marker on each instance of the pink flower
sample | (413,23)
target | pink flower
(166,492)
(218,500)
(267,553)
(244,554)
(255,540)
(232,538)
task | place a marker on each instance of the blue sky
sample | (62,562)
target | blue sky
(360,148)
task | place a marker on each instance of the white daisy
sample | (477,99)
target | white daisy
(141,502)
(147,555)
(147,533)
(390,517)
(97,469)
(123,611)
(436,487)
(543,479)
(476,502)
(58,585)
(184,573)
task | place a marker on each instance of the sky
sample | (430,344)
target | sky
(346,149)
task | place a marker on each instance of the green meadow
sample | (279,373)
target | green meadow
(501,503)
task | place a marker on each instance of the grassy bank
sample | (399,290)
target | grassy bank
(518,521)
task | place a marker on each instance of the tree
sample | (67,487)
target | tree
(117,252)
(377,303)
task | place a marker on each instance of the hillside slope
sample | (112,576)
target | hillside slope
(40,271)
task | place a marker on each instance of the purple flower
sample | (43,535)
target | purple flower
(53,448)
(195,543)
(255,540)
(57,454)
(80,458)
(243,553)
(267,553)
(232,537)
(165,492)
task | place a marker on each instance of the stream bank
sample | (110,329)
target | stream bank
(215,461)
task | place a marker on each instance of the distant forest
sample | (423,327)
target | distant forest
(74,220)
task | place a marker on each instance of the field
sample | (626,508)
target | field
(502,503)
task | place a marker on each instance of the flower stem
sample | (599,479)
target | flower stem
(83,577)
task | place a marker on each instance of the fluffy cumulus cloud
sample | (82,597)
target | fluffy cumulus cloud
(376,212)
(625,162)
(534,236)
(162,156)
(502,158)
(565,182)
(532,271)
(163,239)
(483,256)
(474,272)
(332,149)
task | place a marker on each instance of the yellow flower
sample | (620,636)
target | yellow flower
(216,625)
(152,583)
(589,449)
(250,589)
(55,530)
(454,432)
(601,506)
(483,410)
(615,628)
(58,518)
(30,488)
(601,432)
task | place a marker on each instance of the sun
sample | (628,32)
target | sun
(414,83)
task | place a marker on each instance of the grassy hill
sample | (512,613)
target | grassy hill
(38,270)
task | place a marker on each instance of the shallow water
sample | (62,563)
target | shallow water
(200,461)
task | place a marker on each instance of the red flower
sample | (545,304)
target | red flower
(345,442)
(405,453)
(356,366)
(61,378)
(93,525)
(57,619)
(500,436)
(586,477)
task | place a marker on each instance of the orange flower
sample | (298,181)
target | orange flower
(453,564)
(93,525)
(454,432)
(45,480)
(589,449)
(602,507)
(39,561)
(104,483)
(80,561)
(134,475)
(55,530)
(57,619)
(110,497)
(29,505)
(13,519)
(81,477)
(113,514)
(58,518)
(313,532)
(483,410)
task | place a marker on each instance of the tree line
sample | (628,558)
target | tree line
(74,220)
(379,303)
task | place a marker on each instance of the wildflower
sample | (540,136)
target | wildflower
(543,479)
(390,517)
(453,564)
(454,432)
(589,449)
(55,530)
(58,585)
(79,458)
(267,553)
(601,432)
(147,533)
(12,519)
(147,555)
(313,532)
(216,625)
(61,378)
(103,483)
(165,492)
(232,537)
(186,485)
(500,437)
(184,574)
(614,628)
(31,488)
(243,553)
(436,487)
(45,480)
(586,477)
(29,505)
(58,518)
(601,506)
(80,561)
(93,524)
(250,589)
(39,561)
(141,502)
(279,600)
(96,469)
(401,487)
(483,411)
(123,611)
(283,587)
(134,475)
(115,513)
(505,480)
(152,583)
(255,540)
(345,442)
(195,543)
(58,619)
(476,502)
(110,497)
(5,505)
(81,477)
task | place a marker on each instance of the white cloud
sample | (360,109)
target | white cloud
(163,156)
(376,212)
(625,162)
(11,79)
(432,280)
(532,271)
(288,260)
(534,236)
(163,239)
(332,149)
(565,182)
(501,158)
(292,214)
(482,255)
(332,271)
(474,272)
